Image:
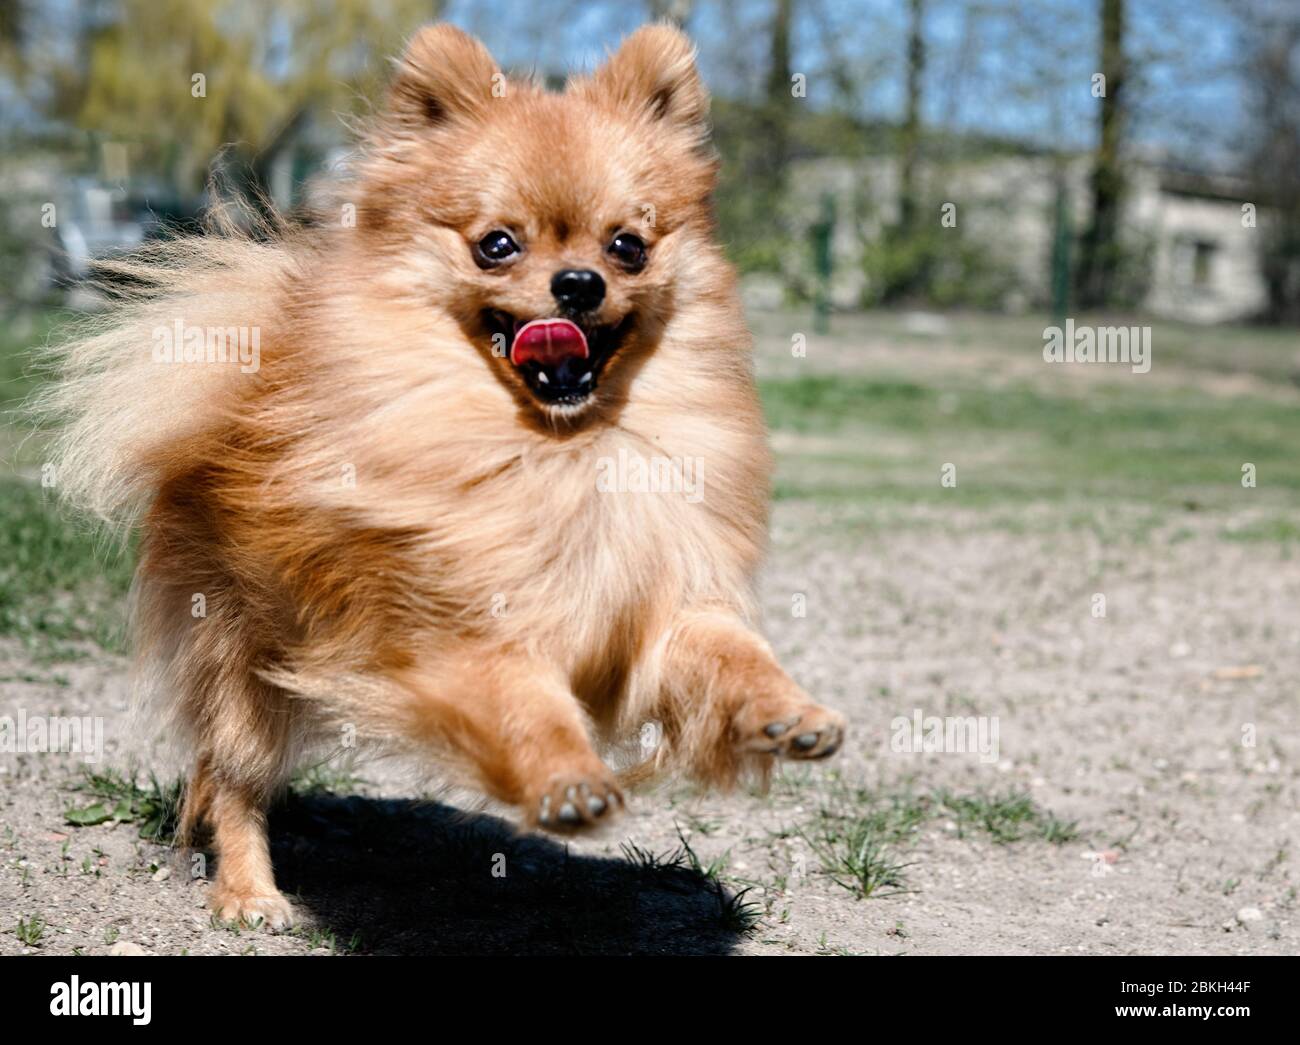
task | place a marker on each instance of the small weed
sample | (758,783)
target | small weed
(325,938)
(326,778)
(655,865)
(118,798)
(30,930)
(735,913)
(682,870)
(701,826)
(1007,817)
(1057,831)
(714,870)
(854,854)
(1277,860)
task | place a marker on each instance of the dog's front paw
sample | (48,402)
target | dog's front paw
(789,730)
(265,911)
(571,801)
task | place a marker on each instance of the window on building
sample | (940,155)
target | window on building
(1194,263)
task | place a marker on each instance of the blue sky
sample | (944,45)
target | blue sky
(1019,68)
(1022,69)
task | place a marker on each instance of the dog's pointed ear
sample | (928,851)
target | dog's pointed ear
(654,72)
(443,74)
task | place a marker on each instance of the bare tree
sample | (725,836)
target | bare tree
(675,11)
(910,137)
(1100,260)
(778,101)
(1271,71)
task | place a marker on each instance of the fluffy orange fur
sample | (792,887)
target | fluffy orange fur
(388,529)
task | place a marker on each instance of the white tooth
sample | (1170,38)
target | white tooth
(585,378)
(541,376)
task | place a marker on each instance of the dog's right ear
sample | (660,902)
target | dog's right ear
(444,74)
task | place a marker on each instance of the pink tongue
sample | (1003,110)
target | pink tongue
(548,341)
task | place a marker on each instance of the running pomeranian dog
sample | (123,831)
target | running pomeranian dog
(486,478)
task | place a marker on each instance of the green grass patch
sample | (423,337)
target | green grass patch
(62,582)
(860,836)
(59,580)
(20,336)
(1275,529)
(1009,816)
(1022,443)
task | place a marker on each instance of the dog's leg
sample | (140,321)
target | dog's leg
(196,803)
(727,703)
(245,887)
(246,748)
(514,724)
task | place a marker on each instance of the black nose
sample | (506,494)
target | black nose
(578,290)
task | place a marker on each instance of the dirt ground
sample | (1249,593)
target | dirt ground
(1165,730)
(1142,797)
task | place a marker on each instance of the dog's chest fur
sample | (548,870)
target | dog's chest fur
(610,531)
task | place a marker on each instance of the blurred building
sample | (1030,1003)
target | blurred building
(1191,248)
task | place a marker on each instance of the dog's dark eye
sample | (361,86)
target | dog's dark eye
(628,251)
(494,248)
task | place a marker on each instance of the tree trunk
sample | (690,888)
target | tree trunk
(778,101)
(674,11)
(910,137)
(1100,251)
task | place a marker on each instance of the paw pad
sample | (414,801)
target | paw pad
(808,732)
(573,802)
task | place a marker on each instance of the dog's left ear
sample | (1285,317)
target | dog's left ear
(654,73)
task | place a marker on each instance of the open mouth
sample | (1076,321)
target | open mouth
(559,359)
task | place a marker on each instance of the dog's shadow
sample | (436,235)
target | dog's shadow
(381,876)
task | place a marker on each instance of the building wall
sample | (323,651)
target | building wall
(1206,266)
(1203,265)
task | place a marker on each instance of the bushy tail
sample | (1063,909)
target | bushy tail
(121,417)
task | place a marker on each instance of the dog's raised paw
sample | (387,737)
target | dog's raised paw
(807,732)
(271,912)
(573,801)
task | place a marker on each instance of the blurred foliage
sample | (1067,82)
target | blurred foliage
(260,63)
(755,218)
(943,266)
(928,84)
